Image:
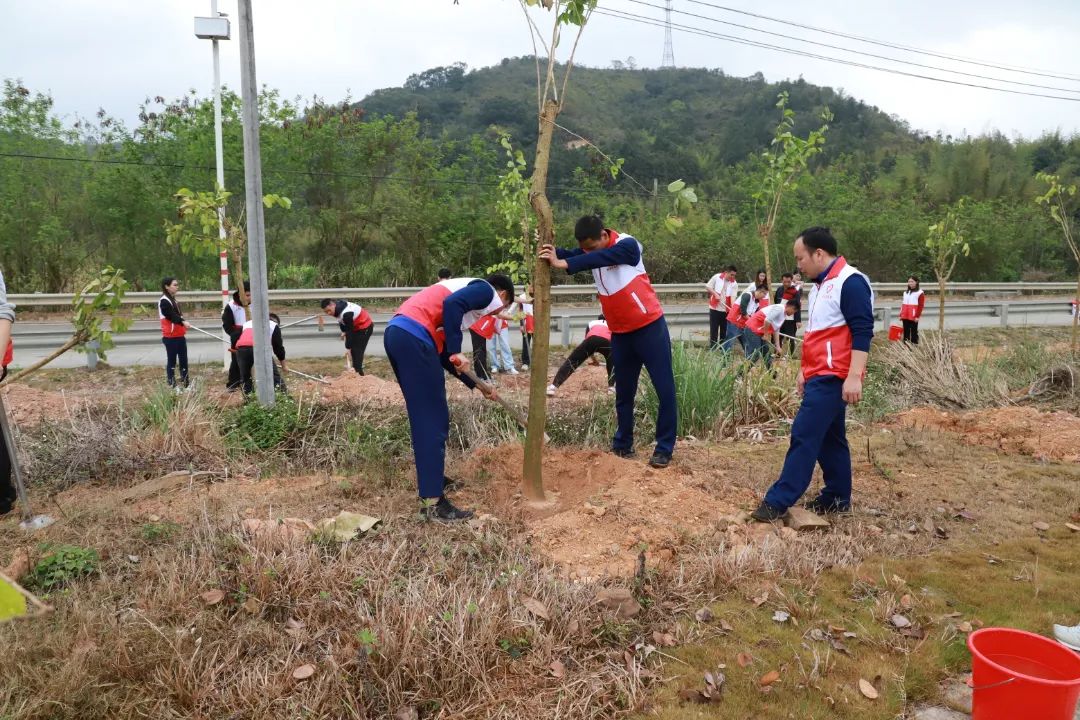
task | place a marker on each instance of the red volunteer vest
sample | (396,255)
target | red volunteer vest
(361,318)
(426,308)
(735,313)
(827,341)
(9,354)
(715,304)
(247,335)
(910,307)
(484,327)
(626,295)
(598,328)
(530,321)
(169,329)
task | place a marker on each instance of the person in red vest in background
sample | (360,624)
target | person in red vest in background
(752,298)
(639,332)
(528,326)
(480,332)
(597,342)
(422,340)
(233,317)
(7,320)
(173,329)
(764,329)
(911,309)
(723,293)
(356,323)
(245,353)
(836,344)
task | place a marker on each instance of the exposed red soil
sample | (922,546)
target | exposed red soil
(349,387)
(1021,430)
(29,406)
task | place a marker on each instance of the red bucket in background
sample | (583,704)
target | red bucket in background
(1017,674)
(895,333)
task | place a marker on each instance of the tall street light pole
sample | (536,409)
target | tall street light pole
(256,228)
(215,28)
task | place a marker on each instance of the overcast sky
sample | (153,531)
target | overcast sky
(114,53)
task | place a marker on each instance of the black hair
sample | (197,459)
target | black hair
(275,318)
(819,238)
(501,282)
(916,279)
(761,283)
(444,274)
(588,227)
(732,268)
(165,282)
(327,302)
(788,275)
(601,317)
(247,289)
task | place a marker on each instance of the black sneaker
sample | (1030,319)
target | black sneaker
(767,513)
(449,485)
(623,452)
(444,511)
(7,499)
(822,507)
(659,460)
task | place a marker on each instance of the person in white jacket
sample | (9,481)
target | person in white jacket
(723,290)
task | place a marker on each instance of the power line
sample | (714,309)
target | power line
(641,19)
(895,46)
(310,173)
(859,52)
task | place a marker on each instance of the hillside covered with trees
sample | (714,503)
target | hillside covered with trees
(387,189)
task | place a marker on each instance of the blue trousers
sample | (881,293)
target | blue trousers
(175,350)
(649,346)
(754,346)
(420,373)
(733,335)
(818,437)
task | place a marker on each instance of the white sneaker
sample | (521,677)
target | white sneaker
(512,371)
(1068,636)
(551,391)
(524,367)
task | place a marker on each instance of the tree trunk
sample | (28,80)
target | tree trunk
(532,472)
(1076,316)
(941,304)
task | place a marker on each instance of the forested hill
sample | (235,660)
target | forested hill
(665,123)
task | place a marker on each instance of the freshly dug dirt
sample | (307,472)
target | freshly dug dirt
(348,387)
(587,382)
(1018,430)
(29,406)
(603,510)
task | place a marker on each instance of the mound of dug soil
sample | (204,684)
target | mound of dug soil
(348,387)
(29,406)
(1019,430)
(602,510)
(587,382)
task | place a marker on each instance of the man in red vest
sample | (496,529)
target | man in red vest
(639,333)
(839,328)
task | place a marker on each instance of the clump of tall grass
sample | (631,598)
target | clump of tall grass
(930,374)
(720,393)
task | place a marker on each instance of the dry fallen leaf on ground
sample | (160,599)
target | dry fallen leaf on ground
(743,659)
(769,678)
(704,615)
(558,670)
(536,607)
(867,689)
(303,672)
(213,597)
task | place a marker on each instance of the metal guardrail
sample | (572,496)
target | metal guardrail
(398,293)
(566,325)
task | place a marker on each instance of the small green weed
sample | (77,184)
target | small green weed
(62,565)
(153,532)
(254,427)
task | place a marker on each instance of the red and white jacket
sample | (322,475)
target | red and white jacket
(530,321)
(169,329)
(484,327)
(772,316)
(426,308)
(626,295)
(727,290)
(247,334)
(361,318)
(911,307)
(827,340)
(598,328)
(735,312)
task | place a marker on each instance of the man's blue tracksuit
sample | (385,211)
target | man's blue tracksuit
(419,370)
(819,435)
(649,346)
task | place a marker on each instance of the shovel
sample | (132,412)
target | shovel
(29,521)
(309,377)
(210,334)
(514,412)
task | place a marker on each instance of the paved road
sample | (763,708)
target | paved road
(143,346)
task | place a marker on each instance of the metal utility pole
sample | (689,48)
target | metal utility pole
(256,227)
(215,28)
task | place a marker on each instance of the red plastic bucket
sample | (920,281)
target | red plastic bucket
(1017,674)
(895,332)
